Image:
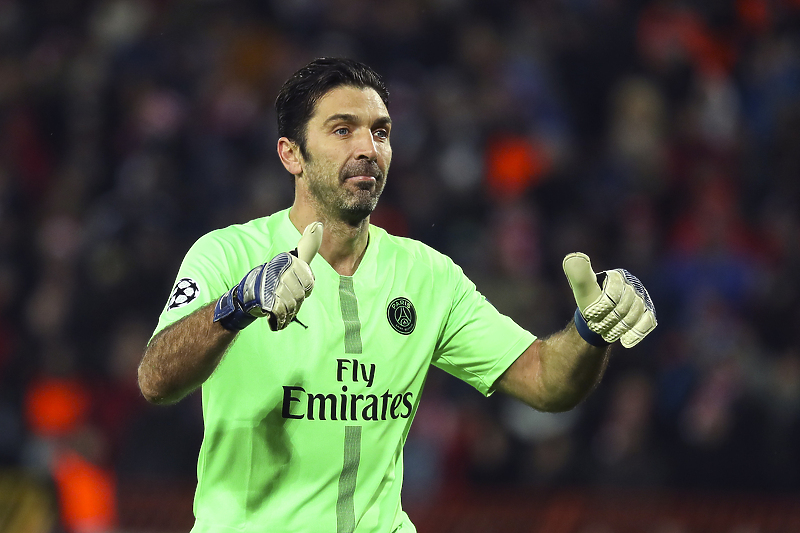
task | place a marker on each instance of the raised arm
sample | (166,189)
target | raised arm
(183,355)
(558,372)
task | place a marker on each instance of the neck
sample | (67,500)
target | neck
(343,243)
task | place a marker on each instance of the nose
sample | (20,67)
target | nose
(365,145)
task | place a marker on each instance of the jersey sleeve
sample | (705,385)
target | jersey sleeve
(477,343)
(202,278)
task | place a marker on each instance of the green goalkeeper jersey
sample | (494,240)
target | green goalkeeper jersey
(304,427)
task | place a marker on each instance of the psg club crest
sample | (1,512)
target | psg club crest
(184,292)
(402,315)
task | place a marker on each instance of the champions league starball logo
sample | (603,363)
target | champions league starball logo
(402,316)
(184,292)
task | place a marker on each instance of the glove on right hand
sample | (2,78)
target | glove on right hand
(275,289)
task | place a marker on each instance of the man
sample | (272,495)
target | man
(306,410)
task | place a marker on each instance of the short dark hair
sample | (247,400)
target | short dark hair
(298,97)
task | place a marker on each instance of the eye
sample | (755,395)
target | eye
(341,131)
(381,133)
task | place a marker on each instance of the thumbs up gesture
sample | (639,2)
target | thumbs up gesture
(612,305)
(293,279)
(275,289)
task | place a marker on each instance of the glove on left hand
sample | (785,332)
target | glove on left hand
(621,309)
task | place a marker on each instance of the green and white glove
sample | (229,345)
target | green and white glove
(612,305)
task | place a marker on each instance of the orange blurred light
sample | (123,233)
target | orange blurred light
(55,406)
(86,493)
(513,164)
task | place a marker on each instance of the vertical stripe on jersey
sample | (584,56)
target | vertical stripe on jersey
(345,508)
(349,306)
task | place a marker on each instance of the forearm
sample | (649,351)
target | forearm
(570,368)
(182,356)
(556,373)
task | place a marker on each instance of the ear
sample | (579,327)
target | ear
(290,156)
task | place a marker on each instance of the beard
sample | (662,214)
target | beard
(350,202)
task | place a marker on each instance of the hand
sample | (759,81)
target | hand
(275,289)
(621,309)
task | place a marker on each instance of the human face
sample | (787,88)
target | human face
(348,152)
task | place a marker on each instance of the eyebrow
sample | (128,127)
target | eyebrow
(384,120)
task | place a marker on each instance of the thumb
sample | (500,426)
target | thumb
(582,279)
(309,243)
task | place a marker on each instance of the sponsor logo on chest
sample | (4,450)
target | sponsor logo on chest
(298,403)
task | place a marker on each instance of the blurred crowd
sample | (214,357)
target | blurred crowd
(662,136)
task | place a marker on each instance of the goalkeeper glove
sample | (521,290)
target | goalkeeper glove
(275,289)
(612,305)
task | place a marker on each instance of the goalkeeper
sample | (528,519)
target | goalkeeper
(308,397)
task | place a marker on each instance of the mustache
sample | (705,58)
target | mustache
(362,167)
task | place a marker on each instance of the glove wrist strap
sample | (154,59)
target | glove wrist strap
(587,334)
(229,313)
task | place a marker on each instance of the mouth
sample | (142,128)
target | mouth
(362,173)
(362,183)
